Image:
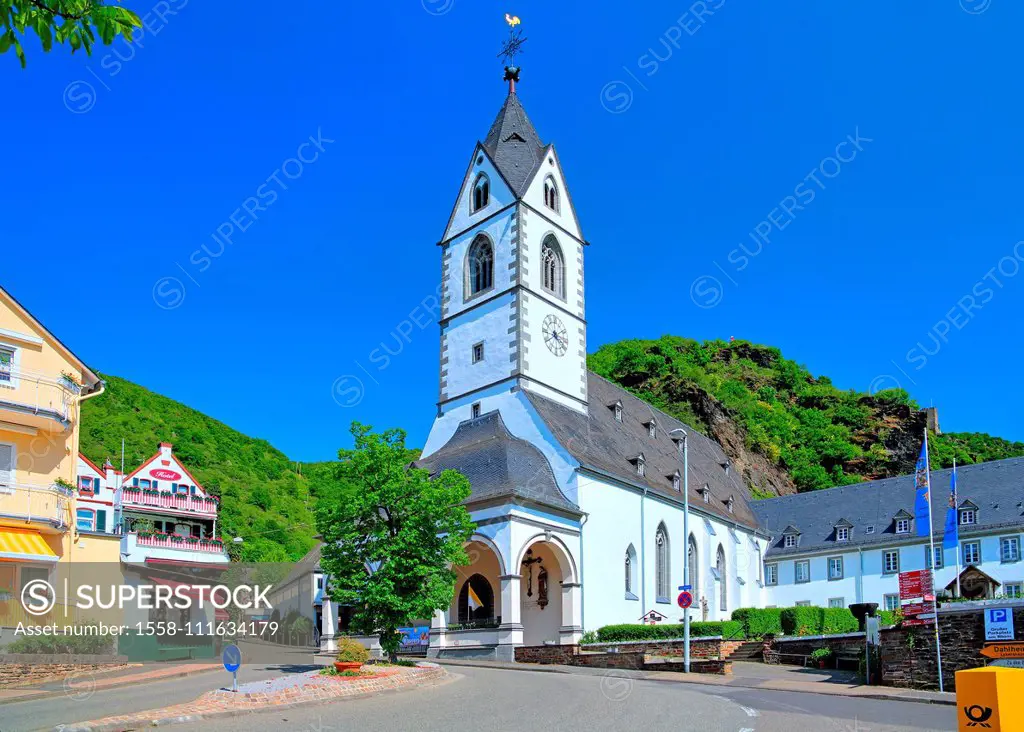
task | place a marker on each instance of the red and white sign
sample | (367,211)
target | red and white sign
(165,474)
(685,599)
(917,597)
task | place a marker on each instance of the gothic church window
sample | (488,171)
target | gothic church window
(551,194)
(661,562)
(481,193)
(553,267)
(723,582)
(481,265)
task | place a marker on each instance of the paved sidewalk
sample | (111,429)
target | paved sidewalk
(274,694)
(89,682)
(745,675)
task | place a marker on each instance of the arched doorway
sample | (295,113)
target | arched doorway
(476,602)
(548,593)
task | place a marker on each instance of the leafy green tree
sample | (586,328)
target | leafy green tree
(72,22)
(387,516)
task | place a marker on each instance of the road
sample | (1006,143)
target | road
(50,712)
(481,699)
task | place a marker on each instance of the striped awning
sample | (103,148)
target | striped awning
(25,545)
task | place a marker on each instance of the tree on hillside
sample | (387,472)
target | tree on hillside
(383,514)
(73,22)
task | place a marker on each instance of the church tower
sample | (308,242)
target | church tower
(512,312)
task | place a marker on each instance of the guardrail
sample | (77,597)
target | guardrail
(36,502)
(177,502)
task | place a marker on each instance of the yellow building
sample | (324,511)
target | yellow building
(42,385)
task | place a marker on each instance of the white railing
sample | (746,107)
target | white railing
(168,541)
(178,502)
(36,502)
(39,392)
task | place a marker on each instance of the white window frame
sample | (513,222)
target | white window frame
(891,601)
(933,564)
(1005,541)
(618,412)
(968,512)
(803,603)
(842,533)
(903,526)
(475,410)
(676,482)
(641,468)
(652,430)
(1017,591)
(837,602)
(771,574)
(9,487)
(474,356)
(832,577)
(79,518)
(789,541)
(15,352)
(796,571)
(893,568)
(976,553)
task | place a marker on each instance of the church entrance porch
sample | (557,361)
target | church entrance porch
(549,594)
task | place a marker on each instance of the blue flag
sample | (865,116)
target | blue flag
(951,532)
(922,514)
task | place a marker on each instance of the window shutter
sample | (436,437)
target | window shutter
(6,464)
(174,487)
(101,520)
(153,484)
(135,481)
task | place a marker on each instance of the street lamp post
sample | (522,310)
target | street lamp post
(686,543)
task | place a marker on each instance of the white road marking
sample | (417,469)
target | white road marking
(750,712)
(747,729)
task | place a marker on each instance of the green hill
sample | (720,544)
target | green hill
(263,497)
(785,428)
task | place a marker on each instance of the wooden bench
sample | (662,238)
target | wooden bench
(850,655)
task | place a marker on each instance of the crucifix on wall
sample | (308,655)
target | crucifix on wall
(529,562)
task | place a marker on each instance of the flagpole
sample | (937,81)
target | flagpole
(956,513)
(931,541)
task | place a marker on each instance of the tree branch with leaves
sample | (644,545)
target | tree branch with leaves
(392,535)
(76,23)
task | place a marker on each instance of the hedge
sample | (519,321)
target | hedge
(635,632)
(758,622)
(818,621)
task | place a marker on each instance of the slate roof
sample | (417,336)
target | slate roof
(997,488)
(514,145)
(600,442)
(497,464)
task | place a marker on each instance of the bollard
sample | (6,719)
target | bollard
(990,699)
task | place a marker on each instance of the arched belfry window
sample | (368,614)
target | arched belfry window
(481,265)
(481,193)
(552,267)
(551,194)
(662,570)
(476,600)
(723,580)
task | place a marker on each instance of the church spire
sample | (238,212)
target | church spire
(510,48)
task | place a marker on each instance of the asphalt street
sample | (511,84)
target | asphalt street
(481,699)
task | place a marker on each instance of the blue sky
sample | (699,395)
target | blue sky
(900,269)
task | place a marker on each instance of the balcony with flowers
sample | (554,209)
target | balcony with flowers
(150,499)
(146,544)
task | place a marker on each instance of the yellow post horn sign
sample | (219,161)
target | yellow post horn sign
(990,699)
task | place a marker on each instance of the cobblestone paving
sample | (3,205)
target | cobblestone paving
(305,688)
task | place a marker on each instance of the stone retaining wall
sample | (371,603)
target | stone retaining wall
(699,647)
(705,656)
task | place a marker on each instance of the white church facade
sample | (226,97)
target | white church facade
(576,484)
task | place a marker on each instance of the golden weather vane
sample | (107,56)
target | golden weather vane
(512,47)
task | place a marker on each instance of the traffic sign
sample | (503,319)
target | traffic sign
(232,658)
(685,599)
(685,587)
(1008,662)
(1003,650)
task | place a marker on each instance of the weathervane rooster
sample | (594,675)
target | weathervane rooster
(511,47)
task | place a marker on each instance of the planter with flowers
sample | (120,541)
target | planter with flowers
(351,655)
(820,656)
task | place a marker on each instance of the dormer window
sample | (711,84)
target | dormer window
(842,533)
(790,537)
(617,409)
(679,447)
(902,526)
(968,514)
(551,194)
(481,193)
(705,493)
(730,504)
(789,541)
(725,466)
(676,481)
(640,462)
(652,429)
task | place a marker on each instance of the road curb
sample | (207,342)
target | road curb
(48,693)
(735,683)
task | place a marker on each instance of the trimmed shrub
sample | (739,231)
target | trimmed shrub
(88,642)
(757,622)
(636,632)
(838,620)
(889,618)
(818,621)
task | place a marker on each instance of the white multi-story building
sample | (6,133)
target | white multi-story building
(163,513)
(849,544)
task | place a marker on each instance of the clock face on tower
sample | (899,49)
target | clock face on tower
(555,335)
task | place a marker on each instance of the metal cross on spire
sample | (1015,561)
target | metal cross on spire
(510,48)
